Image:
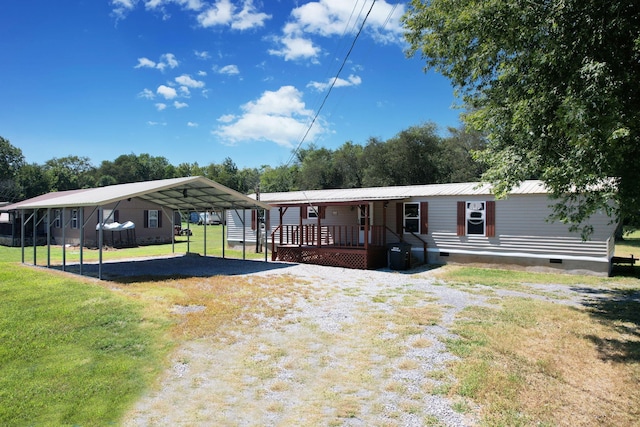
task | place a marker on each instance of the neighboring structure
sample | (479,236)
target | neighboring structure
(442,223)
(144,212)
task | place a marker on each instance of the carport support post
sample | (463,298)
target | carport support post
(48,237)
(22,231)
(64,242)
(244,235)
(100,240)
(224,221)
(35,235)
(82,225)
(205,232)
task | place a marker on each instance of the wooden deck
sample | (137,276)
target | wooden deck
(336,246)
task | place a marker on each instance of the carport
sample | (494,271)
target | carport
(178,194)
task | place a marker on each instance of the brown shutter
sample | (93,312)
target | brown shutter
(254,219)
(424,217)
(322,211)
(159,219)
(461,219)
(491,219)
(399,217)
(146,219)
(304,212)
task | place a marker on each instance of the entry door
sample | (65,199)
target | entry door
(362,222)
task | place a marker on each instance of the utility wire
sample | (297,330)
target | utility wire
(335,79)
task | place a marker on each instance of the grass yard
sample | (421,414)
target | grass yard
(532,362)
(75,351)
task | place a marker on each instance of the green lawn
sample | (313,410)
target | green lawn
(72,352)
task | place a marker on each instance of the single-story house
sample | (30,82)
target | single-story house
(434,224)
(121,215)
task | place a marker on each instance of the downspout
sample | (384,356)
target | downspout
(224,222)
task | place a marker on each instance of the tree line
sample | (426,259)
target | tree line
(417,155)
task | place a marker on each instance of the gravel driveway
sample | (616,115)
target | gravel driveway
(344,354)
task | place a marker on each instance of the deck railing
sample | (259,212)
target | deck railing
(327,235)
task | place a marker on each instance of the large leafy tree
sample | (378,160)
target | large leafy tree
(11,160)
(553,84)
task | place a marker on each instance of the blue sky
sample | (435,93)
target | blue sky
(202,80)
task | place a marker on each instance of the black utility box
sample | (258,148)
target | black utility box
(400,256)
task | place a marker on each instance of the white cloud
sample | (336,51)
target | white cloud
(180,105)
(122,7)
(167,92)
(161,106)
(152,123)
(248,17)
(219,13)
(294,48)
(184,91)
(147,94)
(352,80)
(230,69)
(186,80)
(223,13)
(202,54)
(227,118)
(329,18)
(166,60)
(278,116)
(192,124)
(202,73)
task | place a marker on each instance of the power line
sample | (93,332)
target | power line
(335,79)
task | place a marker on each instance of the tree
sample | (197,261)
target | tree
(33,181)
(69,173)
(553,84)
(280,179)
(11,160)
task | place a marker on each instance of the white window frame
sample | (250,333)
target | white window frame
(312,211)
(152,220)
(411,217)
(475,214)
(74,219)
(108,215)
(57,221)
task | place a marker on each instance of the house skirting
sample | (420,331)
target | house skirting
(554,263)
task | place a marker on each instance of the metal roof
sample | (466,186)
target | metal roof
(190,193)
(318,197)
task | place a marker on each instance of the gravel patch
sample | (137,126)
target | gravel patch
(338,357)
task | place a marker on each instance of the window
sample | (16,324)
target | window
(312,212)
(74,218)
(57,221)
(412,217)
(476,218)
(152,220)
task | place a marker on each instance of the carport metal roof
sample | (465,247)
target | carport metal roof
(190,193)
(196,192)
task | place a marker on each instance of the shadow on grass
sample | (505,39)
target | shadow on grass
(159,269)
(618,309)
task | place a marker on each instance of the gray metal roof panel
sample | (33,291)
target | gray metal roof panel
(394,193)
(196,192)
